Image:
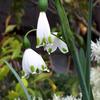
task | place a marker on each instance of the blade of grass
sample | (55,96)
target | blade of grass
(88,53)
(19,80)
(69,39)
(82,57)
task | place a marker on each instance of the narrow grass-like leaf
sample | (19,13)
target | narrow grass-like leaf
(88,53)
(69,39)
(82,57)
(19,80)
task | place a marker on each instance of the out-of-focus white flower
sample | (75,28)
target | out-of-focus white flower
(72,98)
(55,97)
(32,62)
(95,76)
(96,92)
(37,98)
(95,51)
(95,82)
(43,30)
(68,1)
(57,43)
(17,98)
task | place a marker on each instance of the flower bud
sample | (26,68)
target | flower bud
(26,42)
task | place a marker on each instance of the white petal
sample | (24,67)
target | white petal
(56,43)
(31,58)
(62,46)
(25,64)
(43,30)
(51,47)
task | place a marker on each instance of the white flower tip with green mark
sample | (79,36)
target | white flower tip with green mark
(57,43)
(43,30)
(33,63)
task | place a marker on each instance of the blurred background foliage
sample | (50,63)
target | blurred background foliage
(11,47)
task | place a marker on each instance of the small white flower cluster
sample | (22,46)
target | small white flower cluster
(95,82)
(95,51)
(55,97)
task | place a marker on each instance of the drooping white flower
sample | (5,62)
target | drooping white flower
(95,51)
(57,43)
(32,62)
(43,30)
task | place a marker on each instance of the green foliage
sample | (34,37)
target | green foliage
(17,92)
(17,10)
(3,72)
(10,48)
(9,28)
(18,87)
(43,85)
(26,42)
(12,95)
(66,84)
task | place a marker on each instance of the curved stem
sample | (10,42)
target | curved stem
(30,32)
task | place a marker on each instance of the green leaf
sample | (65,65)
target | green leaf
(12,95)
(10,28)
(4,72)
(70,40)
(42,76)
(74,89)
(19,80)
(18,87)
(88,52)
(26,42)
(82,57)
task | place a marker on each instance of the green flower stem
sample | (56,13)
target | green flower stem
(30,32)
(26,42)
(19,80)
(70,40)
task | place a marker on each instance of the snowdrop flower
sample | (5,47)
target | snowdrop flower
(32,62)
(57,43)
(43,30)
(95,51)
